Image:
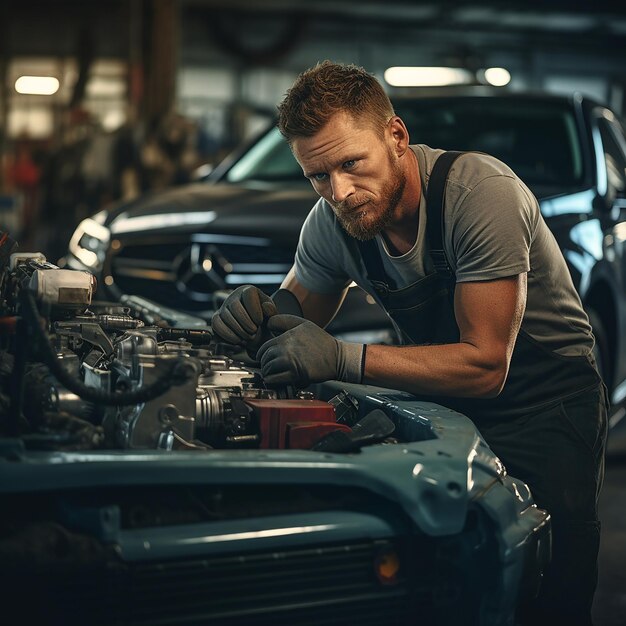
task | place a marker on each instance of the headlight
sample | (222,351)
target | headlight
(90,241)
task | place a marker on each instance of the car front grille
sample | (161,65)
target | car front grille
(185,272)
(332,585)
(403,580)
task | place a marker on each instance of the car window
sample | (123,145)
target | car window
(538,140)
(269,159)
(614,147)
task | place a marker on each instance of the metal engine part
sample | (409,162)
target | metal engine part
(201,411)
(107,349)
(140,386)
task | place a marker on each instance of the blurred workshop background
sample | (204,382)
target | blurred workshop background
(110,99)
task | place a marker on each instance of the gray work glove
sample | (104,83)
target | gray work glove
(240,319)
(303,353)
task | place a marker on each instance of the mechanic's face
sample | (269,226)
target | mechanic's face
(356,171)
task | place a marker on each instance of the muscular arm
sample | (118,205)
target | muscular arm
(489,315)
(317,307)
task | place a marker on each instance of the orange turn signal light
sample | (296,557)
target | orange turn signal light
(387,566)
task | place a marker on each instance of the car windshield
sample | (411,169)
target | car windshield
(537,139)
(269,159)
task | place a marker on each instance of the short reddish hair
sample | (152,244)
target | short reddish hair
(323,90)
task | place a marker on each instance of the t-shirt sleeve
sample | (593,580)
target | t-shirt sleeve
(320,255)
(493,227)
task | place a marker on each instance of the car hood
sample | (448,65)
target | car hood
(436,476)
(237,209)
(223,207)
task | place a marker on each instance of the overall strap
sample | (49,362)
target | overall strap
(374,265)
(434,230)
(435,209)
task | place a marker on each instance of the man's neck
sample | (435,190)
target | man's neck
(401,238)
(401,235)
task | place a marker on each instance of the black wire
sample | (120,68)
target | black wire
(180,372)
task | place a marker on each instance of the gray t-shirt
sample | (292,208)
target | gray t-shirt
(493,229)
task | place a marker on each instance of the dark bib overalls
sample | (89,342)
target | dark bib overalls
(551,413)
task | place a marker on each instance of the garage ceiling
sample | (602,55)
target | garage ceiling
(552,15)
(564,25)
(37,26)
(536,36)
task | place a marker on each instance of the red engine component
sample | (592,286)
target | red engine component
(293,423)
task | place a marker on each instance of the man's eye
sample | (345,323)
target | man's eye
(347,165)
(319,177)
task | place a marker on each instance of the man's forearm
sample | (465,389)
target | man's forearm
(460,369)
(317,307)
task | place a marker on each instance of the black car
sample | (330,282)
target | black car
(184,247)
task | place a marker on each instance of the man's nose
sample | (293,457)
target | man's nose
(342,187)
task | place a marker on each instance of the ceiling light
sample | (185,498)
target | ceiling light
(37,85)
(497,76)
(427,76)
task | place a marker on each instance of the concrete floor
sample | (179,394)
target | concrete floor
(610,602)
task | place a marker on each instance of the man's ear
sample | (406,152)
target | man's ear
(399,135)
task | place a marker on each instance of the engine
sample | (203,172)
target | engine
(80,374)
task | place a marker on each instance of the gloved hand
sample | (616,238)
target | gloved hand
(239,320)
(304,353)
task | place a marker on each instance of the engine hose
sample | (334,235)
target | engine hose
(178,374)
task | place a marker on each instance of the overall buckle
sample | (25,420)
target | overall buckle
(381,288)
(440,261)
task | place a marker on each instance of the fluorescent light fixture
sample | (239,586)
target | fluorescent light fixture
(427,76)
(497,76)
(37,85)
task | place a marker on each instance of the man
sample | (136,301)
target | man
(455,249)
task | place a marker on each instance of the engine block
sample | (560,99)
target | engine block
(219,399)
